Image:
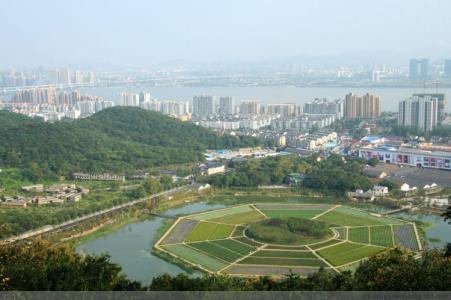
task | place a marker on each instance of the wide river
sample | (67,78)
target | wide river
(131,245)
(268,94)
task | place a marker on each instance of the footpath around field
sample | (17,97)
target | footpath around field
(216,242)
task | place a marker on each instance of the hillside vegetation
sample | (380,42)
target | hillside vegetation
(118,140)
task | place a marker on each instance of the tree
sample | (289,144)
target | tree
(39,266)
(152,186)
(166,181)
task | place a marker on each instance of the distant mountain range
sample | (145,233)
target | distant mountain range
(118,140)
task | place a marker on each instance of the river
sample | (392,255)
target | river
(131,245)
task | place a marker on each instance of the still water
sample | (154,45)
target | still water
(131,245)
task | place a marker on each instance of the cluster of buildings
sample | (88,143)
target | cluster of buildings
(65,76)
(98,177)
(56,193)
(422,111)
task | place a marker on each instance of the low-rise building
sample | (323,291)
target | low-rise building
(380,190)
(37,188)
(361,195)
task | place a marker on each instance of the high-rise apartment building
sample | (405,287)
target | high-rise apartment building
(418,68)
(250,108)
(227,105)
(75,96)
(441,104)
(284,110)
(79,77)
(419,111)
(65,76)
(128,99)
(91,77)
(325,107)
(144,97)
(204,105)
(367,106)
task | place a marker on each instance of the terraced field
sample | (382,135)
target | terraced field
(216,241)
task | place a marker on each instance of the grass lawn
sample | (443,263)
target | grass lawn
(235,246)
(381,236)
(282,261)
(347,252)
(278,213)
(196,257)
(359,235)
(289,254)
(201,232)
(221,231)
(216,251)
(240,218)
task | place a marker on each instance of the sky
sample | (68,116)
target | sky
(145,32)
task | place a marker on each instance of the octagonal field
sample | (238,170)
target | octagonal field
(272,239)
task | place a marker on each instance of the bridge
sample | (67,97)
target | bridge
(394,211)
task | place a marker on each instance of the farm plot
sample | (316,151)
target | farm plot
(306,214)
(201,232)
(321,207)
(216,251)
(221,231)
(248,241)
(222,213)
(284,261)
(324,244)
(238,231)
(240,218)
(405,236)
(238,247)
(283,247)
(282,253)
(260,270)
(347,252)
(180,231)
(359,234)
(344,216)
(381,236)
(342,233)
(195,257)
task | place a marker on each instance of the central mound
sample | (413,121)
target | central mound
(290,231)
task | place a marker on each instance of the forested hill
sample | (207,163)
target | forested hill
(118,139)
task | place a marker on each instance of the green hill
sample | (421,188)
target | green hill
(118,139)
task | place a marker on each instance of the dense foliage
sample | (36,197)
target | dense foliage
(287,230)
(333,175)
(117,140)
(40,266)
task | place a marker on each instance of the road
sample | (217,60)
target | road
(49,228)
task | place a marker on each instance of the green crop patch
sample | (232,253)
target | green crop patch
(347,252)
(324,244)
(381,236)
(306,214)
(248,241)
(359,234)
(238,231)
(201,232)
(282,261)
(221,231)
(344,216)
(216,251)
(240,218)
(282,253)
(195,257)
(342,233)
(222,212)
(238,247)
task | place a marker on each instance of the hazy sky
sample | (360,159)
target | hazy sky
(145,32)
